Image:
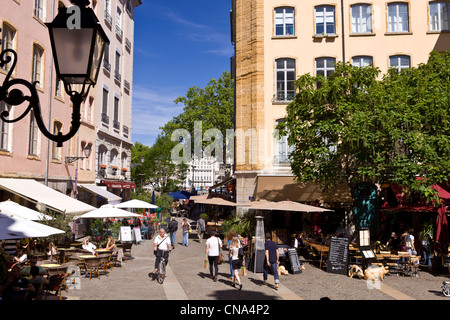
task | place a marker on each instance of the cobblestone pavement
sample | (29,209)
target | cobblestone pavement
(187,279)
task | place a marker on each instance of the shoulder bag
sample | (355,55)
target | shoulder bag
(220,260)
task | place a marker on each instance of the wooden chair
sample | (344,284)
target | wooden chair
(104,264)
(56,283)
(127,250)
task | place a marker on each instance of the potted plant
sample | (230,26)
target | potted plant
(114,167)
(124,169)
(103,166)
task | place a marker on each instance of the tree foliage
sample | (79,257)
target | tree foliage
(212,105)
(353,126)
(158,169)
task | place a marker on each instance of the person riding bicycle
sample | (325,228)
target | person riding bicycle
(161,247)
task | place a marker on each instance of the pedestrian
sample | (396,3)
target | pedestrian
(185,226)
(272,259)
(236,261)
(200,228)
(230,236)
(408,239)
(172,228)
(213,245)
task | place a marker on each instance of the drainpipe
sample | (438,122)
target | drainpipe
(343,31)
(49,107)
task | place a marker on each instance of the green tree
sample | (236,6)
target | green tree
(158,168)
(212,105)
(354,127)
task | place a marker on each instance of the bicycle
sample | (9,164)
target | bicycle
(446,288)
(160,274)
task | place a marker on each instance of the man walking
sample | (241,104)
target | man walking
(213,245)
(172,228)
(200,228)
(272,259)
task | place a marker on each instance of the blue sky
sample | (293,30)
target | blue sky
(177,44)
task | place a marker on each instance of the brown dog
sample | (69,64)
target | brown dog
(355,271)
(375,272)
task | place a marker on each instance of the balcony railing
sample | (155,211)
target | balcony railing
(127,44)
(284,96)
(116,124)
(107,65)
(117,76)
(125,131)
(126,85)
(119,31)
(108,17)
(105,118)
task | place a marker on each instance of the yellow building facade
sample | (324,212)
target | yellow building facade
(276,41)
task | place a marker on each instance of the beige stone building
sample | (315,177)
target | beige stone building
(25,153)
(276,41)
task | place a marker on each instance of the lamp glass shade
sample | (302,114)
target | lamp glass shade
(72,53)
(77,52)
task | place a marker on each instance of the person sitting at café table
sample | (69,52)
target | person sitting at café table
(88,246)
(111,245)
(26,272)
(16,287)
(21,256)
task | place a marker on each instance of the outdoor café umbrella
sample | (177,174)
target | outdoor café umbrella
(284,206)
(13,227)
(442,227)
(16,209)
(217,202)
(135,203)
(108,211)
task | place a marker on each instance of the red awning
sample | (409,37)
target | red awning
(412,207)
(119,184)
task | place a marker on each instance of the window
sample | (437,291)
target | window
(8,42)
(399,62)
(361,18)
(124,160)
(119,23)
(439,16)
(58,88)
(33,136)
(284,21)
(56,151)
(104,117)
(285,77)
(324,19)
(117,67)
(39,9)
(282,147)
(38,54)
(4,129)
(398,19)
(102,156)
(116,124)
(362,61)
(325,66)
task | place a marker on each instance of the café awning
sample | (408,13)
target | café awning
(39,193)
(102,192)
(114,184)
(280,188)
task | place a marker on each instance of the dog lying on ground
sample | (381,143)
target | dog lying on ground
(355,271)
(375,272)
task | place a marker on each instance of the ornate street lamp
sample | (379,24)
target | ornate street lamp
(87,152)
(78,42)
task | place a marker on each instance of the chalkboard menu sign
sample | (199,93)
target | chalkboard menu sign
(338,255)
(293,259)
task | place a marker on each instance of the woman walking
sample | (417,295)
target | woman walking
(236,261)
(213,245)
(185,226)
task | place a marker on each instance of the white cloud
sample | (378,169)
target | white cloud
(152,108)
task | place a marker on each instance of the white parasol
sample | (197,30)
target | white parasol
(13,227)
(136,204)
(16,209)
(108,211)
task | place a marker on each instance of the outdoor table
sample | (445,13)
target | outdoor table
(99,251)
(51,268)
(322,249)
